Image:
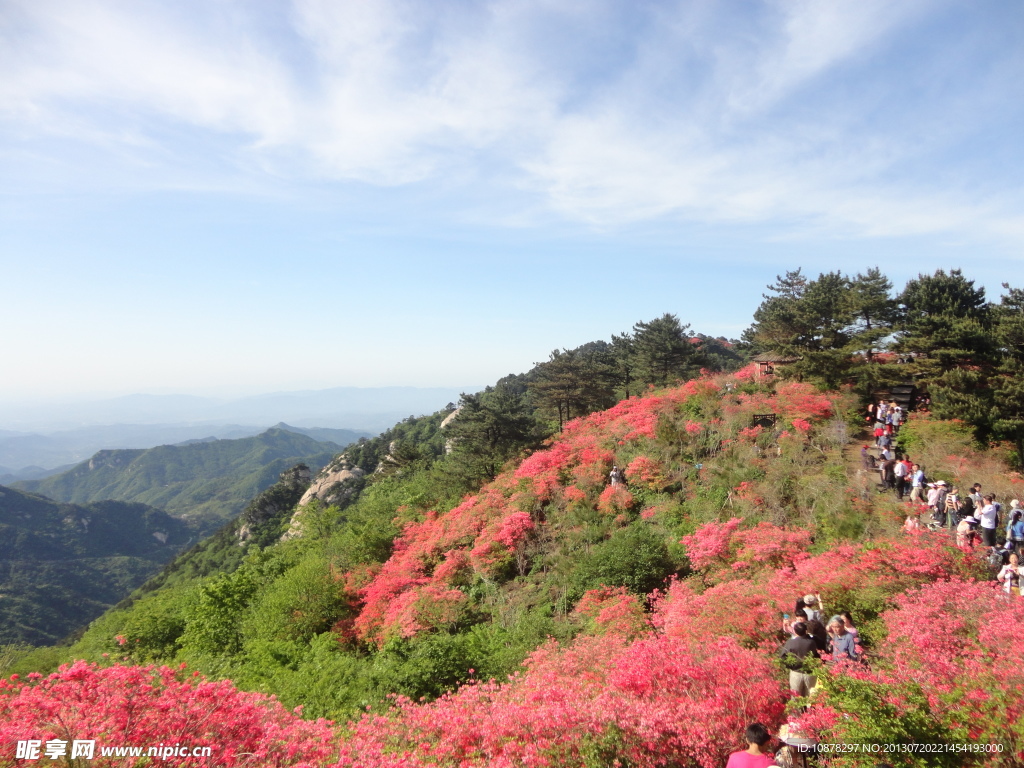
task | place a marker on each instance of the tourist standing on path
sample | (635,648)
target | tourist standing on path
(989,520)
(901,470)
(889,474)
(1015,528)
(841,644)
(976,496)
(817,632)
(795,652)
(848,620)
(812,607)
(953,508)
(966,532)
(917,484)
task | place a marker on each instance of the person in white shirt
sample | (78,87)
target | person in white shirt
(989,517)
(917,484)
(900,470)
(1010,577)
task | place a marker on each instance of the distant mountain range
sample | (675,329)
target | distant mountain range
(62,565)
(207,482)
(38,440)
(373,409)
(32,457)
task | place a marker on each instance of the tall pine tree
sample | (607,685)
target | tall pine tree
(663,351)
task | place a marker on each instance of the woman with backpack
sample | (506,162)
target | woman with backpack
(1015,528)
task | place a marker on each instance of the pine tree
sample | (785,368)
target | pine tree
(945,323)
(874,311)
(492,427)
(1007,414)
(623,362)
(664,353)
(573,383)
(809,320)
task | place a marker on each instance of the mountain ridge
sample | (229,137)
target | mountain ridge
(65,564)
(207,481)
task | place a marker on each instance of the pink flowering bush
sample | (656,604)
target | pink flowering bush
(615,499)
(656,701)
(865,578)
(147,706)
(737,609)
(725,550)
(644,470)
(613,609)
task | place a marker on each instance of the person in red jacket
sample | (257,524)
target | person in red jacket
(754,756)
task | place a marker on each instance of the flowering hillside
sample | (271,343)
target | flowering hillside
(531,514)
(564,615)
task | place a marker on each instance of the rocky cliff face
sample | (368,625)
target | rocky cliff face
(448,420)
(336,484)
(273,504)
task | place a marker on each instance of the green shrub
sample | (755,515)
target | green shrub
(634,557)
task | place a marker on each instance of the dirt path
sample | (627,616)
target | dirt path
(866,481)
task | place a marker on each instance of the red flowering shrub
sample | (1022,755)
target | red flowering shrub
(615,499)
(147,706)
(613,609)
(710,545)
(797,399)
(751,433)
(865,578)
(766,546)
(646,471)
(573,494)
(736,609)
(747,372)
(722,550)
(654,702)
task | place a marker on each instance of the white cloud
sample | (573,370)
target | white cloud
(716,115)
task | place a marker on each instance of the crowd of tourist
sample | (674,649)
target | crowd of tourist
(810,637)
(974,517)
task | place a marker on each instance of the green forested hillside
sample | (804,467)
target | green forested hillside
(207,482)
(62,565)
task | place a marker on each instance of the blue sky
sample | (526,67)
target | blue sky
(235,197)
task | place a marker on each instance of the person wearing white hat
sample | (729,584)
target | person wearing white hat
(965,532)
(812,607)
